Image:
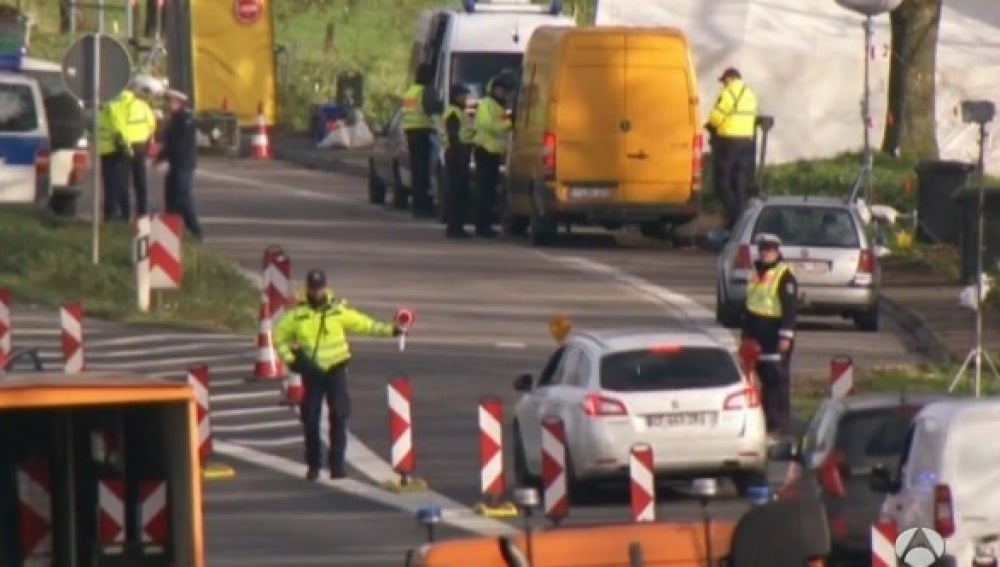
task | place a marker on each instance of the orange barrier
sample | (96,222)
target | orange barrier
(663,545)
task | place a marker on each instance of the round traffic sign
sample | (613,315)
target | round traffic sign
(405,318)
(247,11)
(101,56)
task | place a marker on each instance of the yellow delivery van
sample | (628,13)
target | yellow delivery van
(607,132)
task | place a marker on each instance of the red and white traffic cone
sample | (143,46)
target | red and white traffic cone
(267,366)
(71,321)
(398,395)
(642,481)
(5,326)
(260,143)
(884,543)
(841,376)
(491,471)
(555,495)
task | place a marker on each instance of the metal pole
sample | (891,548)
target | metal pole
(70,488)
(100,16)
(981,167)
(96,160)
(129,12)
(867,113)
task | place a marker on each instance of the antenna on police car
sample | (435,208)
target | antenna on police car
(869,9)
(981,113)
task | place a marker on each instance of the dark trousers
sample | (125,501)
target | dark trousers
(776,392)
(457,164)
(114,178)
(140,186)
(178,198)
(487,178)
(331,387)
(418,142)
(733,164)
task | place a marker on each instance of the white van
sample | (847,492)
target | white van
(948,477)
(24,141)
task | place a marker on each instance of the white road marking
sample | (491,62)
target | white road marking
(452,513)
(262,426)
(243,396)
(142,339)
(276,442)
(187,346)
(239,412)
(510,345)
(285,188)
(181,363)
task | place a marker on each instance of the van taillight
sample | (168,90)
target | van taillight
(696,154)
(81,164)
(743,260)
(944,512)
(42,162)
(549,142)
(866,262)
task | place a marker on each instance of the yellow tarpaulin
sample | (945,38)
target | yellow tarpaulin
(233,47)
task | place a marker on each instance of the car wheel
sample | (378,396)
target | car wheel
(868,320)
(744,480)
(542,230)
(510,224)
(376,185)
(522,476)
(726,313)
(400,195)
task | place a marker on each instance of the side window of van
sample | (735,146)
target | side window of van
(17,108)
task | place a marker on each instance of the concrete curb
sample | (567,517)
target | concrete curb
(325,163)
(916,331)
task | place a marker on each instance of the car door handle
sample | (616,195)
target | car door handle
(638,155)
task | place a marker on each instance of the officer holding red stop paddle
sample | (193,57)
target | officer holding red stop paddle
(312,340)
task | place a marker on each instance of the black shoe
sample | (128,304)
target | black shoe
(312,473)
(457,234)
(336,474)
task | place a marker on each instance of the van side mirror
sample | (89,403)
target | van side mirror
(783,451)
(882,482)
(524,382)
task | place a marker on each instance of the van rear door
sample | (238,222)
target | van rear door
(590,106)
(24,141)
(659,109)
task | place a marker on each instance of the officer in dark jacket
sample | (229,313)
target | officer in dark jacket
(180,151)
(456,136)
(772,300)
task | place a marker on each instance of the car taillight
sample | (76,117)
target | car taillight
(866,262)
(944,512)
(696,155)
(81,163)
(829,474)
(596,405)
(743,260)
(42,162)
(744,399)
(549,142)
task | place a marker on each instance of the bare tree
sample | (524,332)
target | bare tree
(910,128)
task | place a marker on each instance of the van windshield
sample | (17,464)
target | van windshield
(17,108)
(475,69)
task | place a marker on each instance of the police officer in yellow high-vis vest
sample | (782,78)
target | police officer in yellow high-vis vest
(493,124)
(419,108)
(457,134)
(772,300)
(115,153)
(139,130)
(732,126)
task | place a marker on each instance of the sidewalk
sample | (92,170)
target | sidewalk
(923,304)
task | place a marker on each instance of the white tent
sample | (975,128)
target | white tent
(805,58)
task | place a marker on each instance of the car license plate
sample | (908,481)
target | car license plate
(811,267)
(590,192)
(683,419)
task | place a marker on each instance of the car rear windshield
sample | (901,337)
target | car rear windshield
(828,227)
(17,108)
(475,70)
(875,435)
(668,369)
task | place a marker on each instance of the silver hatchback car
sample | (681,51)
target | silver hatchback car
(826,246)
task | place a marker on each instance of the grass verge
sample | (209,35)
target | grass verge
(807,395)
(48,261)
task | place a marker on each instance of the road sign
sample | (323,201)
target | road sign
(405,318)
(108,59)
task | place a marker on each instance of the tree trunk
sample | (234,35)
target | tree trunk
(910,129)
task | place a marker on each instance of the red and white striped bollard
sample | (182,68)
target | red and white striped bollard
(399,392)
(71,322)
(154,515)
(883,542)
(841,376)
(643,483)
(34,498)
(199,379)
(111,515)
(5,326)
(555,495)
(492,480)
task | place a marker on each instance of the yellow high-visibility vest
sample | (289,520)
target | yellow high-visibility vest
(735,111)
(140,121)
(492,126)
(466,132)
(414,117)
(763,298)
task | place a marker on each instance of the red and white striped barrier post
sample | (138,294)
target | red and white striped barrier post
(555,495)
(267,366)
(5,326)
(154,515)
(398,395)
(34,497)
(111,515)
(277,279)
(71,321)
(491,471)
(642,481)
(165,258)
(841,376)
(199,380)
(884,543)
